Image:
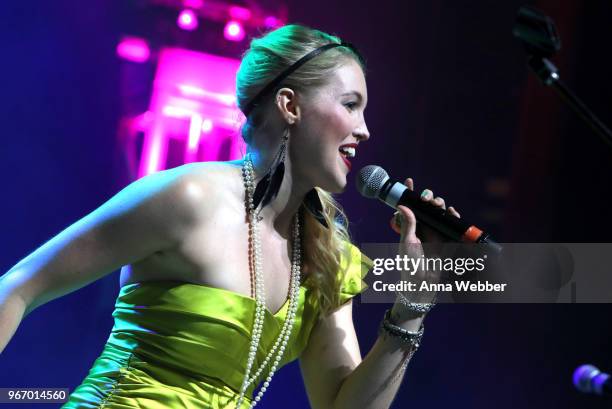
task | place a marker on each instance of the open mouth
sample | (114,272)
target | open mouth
(347,152)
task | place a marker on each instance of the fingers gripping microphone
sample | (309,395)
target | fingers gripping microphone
(589,379)
(374,182)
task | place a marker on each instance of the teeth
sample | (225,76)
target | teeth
(349,151)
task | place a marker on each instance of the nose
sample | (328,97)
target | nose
(362,133)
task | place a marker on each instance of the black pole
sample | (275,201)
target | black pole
(548,74)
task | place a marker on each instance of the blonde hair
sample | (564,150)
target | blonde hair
(267,57)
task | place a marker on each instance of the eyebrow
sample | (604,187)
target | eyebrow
(356,93)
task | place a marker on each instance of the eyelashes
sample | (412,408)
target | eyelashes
(351,105)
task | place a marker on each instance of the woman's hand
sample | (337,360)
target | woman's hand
(404,222)
(420,231)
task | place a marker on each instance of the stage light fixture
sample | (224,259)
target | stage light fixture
(207,125)
(272,22)
(233,31)
(133,49)
(239,13)
(193,4)
(187,20)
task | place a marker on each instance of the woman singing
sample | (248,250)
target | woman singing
(233,269)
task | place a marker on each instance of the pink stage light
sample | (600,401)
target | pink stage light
(172,111)
(195,130)
(193,4)
(233,31)
(272,22)
(207,126)
(143,121)
(155,153)
(133,49)
(191,91)
(187,20)
(239,13)
(193,102)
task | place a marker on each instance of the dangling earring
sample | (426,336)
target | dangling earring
(312,202)
(267,188)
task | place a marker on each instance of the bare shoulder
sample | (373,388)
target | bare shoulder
(197,188)
(194,192)
(177,199)
(215,177)
(203,201)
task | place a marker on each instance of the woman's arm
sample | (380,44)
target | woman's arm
(336,377)
(149,215)
(334,373)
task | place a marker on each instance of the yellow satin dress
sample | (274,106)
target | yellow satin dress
(183,345)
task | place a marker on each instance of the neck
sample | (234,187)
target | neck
(278,214)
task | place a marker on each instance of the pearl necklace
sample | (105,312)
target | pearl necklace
(260,297)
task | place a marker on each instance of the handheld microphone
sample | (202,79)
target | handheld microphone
(589,379)
(374,182)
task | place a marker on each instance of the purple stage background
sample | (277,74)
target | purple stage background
(451,104)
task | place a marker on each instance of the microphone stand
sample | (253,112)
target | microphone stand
(538,34)
(548,74)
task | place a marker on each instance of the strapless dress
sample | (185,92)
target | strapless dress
(184,345)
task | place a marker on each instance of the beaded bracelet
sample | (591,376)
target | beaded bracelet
(409,338)
(421,308)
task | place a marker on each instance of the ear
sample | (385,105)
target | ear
(287,104)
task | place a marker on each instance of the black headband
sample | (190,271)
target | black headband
(289,70)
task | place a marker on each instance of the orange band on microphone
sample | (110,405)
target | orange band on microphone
(471,234)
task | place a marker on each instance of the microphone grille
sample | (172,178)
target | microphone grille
(370,180)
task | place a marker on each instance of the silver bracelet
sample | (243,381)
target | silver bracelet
(421,308)
(409,338)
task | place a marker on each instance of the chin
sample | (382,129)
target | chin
(332,179)
(335,183)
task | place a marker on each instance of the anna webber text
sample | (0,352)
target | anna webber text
(463,286)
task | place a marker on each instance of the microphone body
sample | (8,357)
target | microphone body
(373,181)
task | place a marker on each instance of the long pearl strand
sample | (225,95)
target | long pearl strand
(294,291)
